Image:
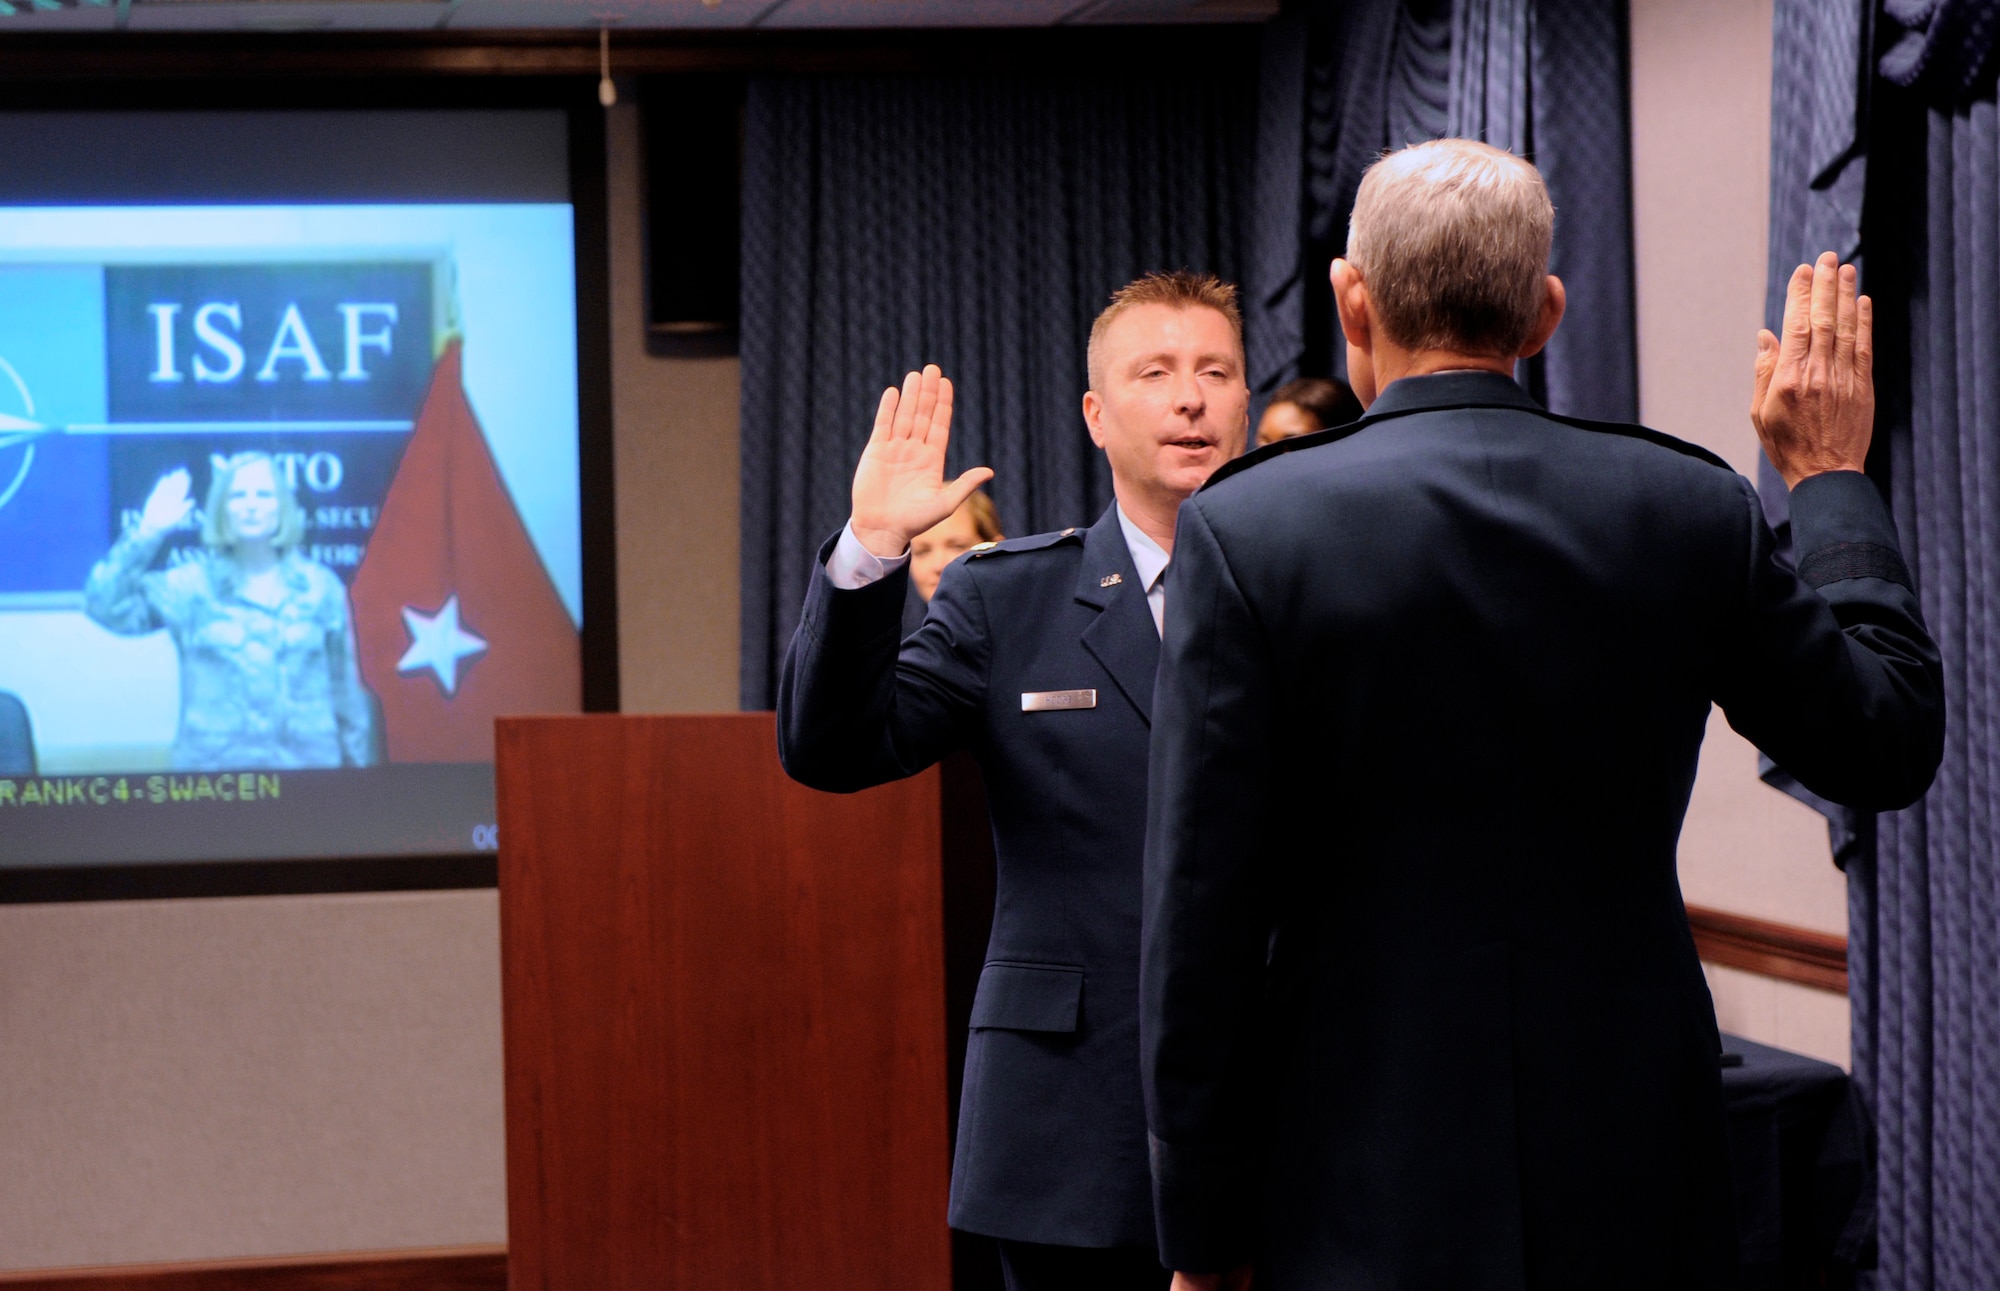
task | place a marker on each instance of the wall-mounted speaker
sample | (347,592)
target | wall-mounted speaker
(693,130)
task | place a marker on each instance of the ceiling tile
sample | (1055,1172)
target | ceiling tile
(635,15)
(79,18)
(286,15)
(920,13)
(1154,11)
(638,15)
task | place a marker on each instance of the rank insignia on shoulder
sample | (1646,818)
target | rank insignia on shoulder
(1111,580)
(1067,532)
(982,546)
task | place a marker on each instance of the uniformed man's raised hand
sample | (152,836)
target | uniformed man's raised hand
(1814,402)
(899,487)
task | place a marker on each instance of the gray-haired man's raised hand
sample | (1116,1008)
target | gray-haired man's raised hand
(1814,404)
(899,487)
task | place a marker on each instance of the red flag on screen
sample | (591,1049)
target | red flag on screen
(455,617)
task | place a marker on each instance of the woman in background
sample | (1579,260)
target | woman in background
(1303,406)
(974,522)
(266,643)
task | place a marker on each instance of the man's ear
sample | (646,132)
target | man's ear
(1350,301)
(1554,300)
(1093,416)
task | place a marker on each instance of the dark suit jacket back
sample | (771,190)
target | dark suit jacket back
(1420,1004)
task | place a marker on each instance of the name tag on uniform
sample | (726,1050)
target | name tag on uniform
(1049,701)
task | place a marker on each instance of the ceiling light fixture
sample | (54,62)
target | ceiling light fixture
(607,93)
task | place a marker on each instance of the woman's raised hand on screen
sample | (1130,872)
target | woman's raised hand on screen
(167,506)
(899,488)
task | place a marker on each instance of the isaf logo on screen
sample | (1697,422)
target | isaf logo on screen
(220,357)
(344,343)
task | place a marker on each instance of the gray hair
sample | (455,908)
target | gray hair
(1452,239)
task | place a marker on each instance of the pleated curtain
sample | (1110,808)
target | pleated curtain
(979,223)
(1927,907)
(1819,171)
(1546,79)
(1885,135)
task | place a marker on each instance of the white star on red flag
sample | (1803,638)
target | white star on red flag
(438,643)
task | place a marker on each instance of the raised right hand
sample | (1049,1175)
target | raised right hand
(1814,399)
(899,487)
(167,506)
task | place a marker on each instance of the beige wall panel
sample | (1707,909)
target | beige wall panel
(675,454)
(1701,165)
(1748,849)
(255,1076)
(1785,1014)
(1701,102)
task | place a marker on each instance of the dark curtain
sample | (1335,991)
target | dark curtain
(979,223)
(1819,169)
(1927,997)
(1546,79)
(1884,135)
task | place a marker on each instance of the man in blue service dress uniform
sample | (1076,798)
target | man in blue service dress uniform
(1037,654)
(1420,1008)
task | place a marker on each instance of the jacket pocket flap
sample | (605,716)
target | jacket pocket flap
(1028,997)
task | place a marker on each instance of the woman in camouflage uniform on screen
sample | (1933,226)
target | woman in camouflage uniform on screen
(266,642)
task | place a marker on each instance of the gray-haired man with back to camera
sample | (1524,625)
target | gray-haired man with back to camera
(1419,1004)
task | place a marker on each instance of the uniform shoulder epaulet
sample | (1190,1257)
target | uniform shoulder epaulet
(1034,542)
(1336,433)
(1633,431)
(1278,448)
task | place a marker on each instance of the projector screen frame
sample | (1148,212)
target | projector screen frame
(573,96)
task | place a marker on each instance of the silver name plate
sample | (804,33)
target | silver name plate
(1049,701)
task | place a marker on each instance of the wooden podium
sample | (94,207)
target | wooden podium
(725,1010)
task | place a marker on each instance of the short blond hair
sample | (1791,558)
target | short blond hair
(218,533)
(1178,289)
(1452,239)
(984,515)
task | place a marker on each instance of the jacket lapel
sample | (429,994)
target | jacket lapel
(1122,636)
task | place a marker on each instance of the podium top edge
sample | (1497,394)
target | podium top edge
(537,721)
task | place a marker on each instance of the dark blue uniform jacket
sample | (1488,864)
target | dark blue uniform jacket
(1051,1134)
(1420,1005)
